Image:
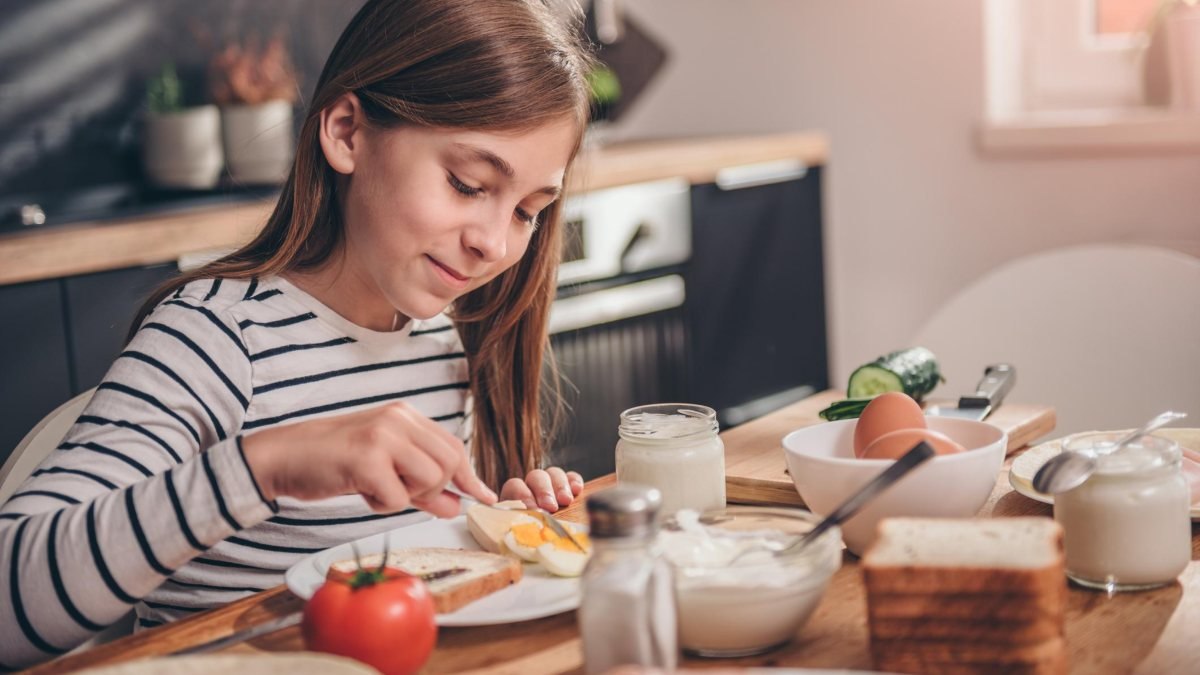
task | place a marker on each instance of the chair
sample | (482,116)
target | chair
(1108,334)
(40,442)
(29,453)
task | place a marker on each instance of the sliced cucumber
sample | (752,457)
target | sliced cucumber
(844,409)
(912,371)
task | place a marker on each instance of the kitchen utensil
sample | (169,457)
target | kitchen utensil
(1069,470)
(907,462)
(539,513)
(998,380)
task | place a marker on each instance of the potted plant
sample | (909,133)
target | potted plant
(256,89)
(182,145)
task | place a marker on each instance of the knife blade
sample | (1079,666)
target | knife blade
(998,380)
(285,621)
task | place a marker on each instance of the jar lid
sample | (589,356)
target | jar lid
(668,421)
(627,510)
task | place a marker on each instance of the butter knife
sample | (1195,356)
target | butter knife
(285,621)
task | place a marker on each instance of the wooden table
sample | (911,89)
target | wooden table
(1147,632)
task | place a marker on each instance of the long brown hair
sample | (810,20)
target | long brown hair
(491,65)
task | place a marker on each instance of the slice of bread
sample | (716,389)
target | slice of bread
(485,572)
(1012,556)
(1055,664)
(976,606)
(967,653)
(967,631)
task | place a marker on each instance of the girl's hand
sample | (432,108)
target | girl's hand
(392,455)
(550,489)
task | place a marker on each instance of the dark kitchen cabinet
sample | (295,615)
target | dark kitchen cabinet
(34,377)
(756,296)
(59,337)
(100,308)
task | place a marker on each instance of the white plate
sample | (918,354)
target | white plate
(1026,465)
(536,595)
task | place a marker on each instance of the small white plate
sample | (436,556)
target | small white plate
(1026,465)
(538,594)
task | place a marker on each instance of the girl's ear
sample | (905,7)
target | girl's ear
(342,123)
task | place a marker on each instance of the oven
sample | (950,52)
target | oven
(618,326)
(710,293)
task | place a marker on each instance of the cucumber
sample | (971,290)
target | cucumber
(844,409)
(912,371)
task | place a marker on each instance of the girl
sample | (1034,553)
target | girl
(309,389)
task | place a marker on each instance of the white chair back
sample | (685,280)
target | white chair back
(40,442)
(1107,334)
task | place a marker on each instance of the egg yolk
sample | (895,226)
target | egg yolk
(528,534)
(564,544)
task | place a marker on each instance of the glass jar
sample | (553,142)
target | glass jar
(1128,526)
(673,447)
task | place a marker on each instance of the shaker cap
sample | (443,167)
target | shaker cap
(627,510)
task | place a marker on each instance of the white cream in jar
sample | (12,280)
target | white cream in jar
(729,606)
(673,447)
(1127,527)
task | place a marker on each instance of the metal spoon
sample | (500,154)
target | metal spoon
(1068,470)
(907,462)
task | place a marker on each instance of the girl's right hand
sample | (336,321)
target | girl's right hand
(392,455)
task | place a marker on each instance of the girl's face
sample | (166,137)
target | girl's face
(432,214)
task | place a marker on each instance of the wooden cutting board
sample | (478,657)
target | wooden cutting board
(755,471)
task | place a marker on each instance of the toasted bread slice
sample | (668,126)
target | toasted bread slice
(1010,556)
(485,572)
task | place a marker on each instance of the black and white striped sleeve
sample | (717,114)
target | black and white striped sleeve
(150,476)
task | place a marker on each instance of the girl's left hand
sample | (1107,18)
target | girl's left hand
(550,488)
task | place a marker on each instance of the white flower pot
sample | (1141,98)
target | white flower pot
(183,149)
(258,141)
(1182,27)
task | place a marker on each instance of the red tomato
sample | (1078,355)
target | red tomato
(384,618)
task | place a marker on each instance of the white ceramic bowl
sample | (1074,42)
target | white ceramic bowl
(825,471)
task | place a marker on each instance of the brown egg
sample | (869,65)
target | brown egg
(886,413)
(895,444)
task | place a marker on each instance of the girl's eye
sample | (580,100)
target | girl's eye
(524,217)
(462,187)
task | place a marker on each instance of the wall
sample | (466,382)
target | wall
(913,210)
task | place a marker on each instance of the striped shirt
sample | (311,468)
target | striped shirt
(149,501)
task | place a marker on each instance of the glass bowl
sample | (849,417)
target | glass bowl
(733,595)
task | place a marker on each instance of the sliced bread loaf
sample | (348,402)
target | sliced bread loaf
(994,606)
(1012,556)
(978,631)
(485,573)
(967,653)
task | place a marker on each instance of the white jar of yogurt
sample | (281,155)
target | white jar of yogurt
(1127,527)
(673,447)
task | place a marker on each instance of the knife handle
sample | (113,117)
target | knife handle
(997,380)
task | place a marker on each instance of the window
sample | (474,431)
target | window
(1084,54)
(1072,74)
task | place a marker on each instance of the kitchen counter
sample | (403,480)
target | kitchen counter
(96,246)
